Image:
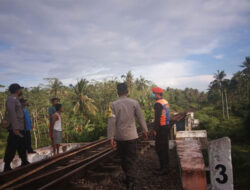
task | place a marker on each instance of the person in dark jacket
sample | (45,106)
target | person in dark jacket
(123,133)
(16,138)
(161,129)
(28,124)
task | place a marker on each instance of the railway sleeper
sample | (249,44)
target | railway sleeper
(105,172)
(113,173)
(100,178)
(106,169)
(81,183)
(143,149)
(83,187)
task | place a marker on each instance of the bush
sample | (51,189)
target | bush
(216,127)
(3,141)
(241,166)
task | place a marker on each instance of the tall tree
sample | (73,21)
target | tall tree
(2,103)
(246,66)
(246,74)
(129,79)
(141,83)
(81,101)
(217,84)
(225,87)
(55,85)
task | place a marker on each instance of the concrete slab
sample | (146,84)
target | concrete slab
(200,135)
(191,164)
(172,143)
(42,153)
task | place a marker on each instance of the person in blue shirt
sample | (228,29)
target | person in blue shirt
(28,125)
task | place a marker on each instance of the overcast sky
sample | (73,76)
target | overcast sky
(176,43)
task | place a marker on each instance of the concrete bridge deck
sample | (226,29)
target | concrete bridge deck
(42,153)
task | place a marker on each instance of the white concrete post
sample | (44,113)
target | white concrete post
(200,135)
(174,131)
(220,163)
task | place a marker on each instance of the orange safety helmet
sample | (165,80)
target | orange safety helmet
(157,90)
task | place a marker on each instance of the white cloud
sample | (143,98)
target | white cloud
(73,40)
(200,82)
(219,56)
(162,73)
(175,74)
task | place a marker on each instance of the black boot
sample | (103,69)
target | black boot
(131,186)
(24,163)
(130,183)
(31,151)
(156,170)
(7,167)
(123,180)
(163,172)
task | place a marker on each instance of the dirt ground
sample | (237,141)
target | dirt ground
(146,179)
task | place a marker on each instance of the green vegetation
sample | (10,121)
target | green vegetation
(227,113)
(224,110)
(85,105)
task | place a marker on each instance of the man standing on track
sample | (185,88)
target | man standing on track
(16,138)
(161,129)
(123,133)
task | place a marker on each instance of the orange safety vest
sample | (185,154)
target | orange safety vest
(165,115)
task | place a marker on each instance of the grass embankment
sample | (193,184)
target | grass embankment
(241,166)
(3,138)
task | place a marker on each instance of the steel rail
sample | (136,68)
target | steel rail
(51,176)
(51,162)
(74,172)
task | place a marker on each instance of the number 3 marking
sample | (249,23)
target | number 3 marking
(222,172)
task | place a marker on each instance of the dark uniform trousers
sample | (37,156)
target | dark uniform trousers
(15,143)
(127,152)
(28,141)
(162,147)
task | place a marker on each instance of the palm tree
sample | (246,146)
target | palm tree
(129,79)
(246,66)
(81,101)
(2,105)
(217,84)
(246,74)
(141,83)
(225,87)
(54,84)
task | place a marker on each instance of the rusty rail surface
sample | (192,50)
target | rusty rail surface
(55,183)
(55,164)
(177,117)
(58,183)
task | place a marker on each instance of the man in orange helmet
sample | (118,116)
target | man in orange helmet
(161,129)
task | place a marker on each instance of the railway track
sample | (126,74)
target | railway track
(38,174)
(49,173)
(95,174)
(58,171)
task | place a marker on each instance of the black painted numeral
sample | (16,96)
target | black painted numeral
(222,172)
